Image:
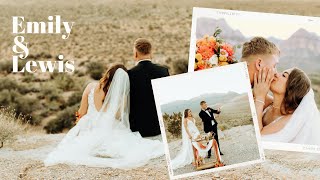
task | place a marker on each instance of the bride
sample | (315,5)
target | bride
(102,137)
(293,116)
(190,136)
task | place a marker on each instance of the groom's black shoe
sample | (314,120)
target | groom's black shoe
(221,154)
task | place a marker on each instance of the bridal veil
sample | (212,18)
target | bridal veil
(304,125)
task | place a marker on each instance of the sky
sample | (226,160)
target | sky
(190,85)
(263,24)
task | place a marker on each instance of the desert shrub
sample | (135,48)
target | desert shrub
(6,83)
(50,93)
(10,84)
(174,123)
(26,106)
(79,73)
(28,77)
(224,126)
(95,69)
(10,126)
(64,82)
(23,105)
(6,66)
(180,66)
(55,106)
(65,119)
(75,98)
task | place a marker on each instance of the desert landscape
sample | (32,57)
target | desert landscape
(103,33)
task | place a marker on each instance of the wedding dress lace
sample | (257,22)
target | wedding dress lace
(303,126)
(103,138)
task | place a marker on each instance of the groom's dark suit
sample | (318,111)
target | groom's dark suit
(143,114)
(207,123)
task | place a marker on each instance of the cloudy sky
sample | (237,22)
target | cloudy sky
(190,85)
(263,24)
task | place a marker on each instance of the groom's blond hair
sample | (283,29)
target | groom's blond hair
(143,46)
(259,46)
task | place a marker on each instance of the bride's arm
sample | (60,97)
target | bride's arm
(268,101)
(185,123)
(262,82)
(84,100)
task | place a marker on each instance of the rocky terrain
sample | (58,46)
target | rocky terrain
(23,160)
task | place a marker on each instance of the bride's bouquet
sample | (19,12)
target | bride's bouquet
(213,51)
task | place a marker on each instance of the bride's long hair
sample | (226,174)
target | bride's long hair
(186,113)
(298,85)
(106,79)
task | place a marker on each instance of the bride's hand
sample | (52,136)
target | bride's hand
(262,82)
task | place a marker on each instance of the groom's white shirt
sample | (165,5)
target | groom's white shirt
(212,122)
(142,60)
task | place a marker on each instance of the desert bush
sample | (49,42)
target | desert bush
(6,66)
(95,69)
(28,77)
(10,126)
(10,84)
(65,119)
(23,105)
(180,66)
(64,82)
(50,93)
(75,98)
(174,123)
(224,126)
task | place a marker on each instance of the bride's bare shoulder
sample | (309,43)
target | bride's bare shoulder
(89,87)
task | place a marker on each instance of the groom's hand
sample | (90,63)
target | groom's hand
(262,82)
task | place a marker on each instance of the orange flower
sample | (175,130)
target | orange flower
(206,52)
(212,41)
(201,66)
(228,48)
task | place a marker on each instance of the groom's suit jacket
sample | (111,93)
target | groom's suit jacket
(206,119)
(143,114)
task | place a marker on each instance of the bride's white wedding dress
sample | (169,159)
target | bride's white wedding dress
(303,126)
(185,155)
(103,138)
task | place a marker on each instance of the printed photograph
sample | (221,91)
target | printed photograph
(283,67)
(207,120)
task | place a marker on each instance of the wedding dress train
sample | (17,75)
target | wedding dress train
(185,155)
(103,138)
(303,126)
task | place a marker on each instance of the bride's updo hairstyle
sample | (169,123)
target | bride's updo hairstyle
(186,113)
(298,85)
(106,79)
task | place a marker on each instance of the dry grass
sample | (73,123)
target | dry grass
(10,126)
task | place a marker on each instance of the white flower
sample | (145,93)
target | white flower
(214,59)
(224,53)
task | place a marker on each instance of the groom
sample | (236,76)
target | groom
(209,122)
(261,55)
(143,114)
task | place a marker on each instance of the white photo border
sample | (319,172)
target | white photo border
(253,113)
(214,13)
